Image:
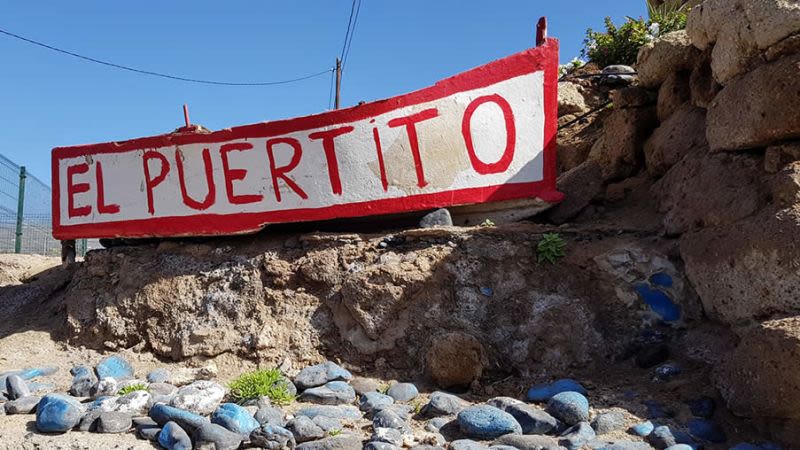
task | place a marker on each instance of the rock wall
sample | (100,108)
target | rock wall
(722,166)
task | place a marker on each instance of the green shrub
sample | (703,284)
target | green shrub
(132,388)
(620,45)
(261,383)
(550,248)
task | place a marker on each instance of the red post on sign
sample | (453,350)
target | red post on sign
(541,31)
(186,115)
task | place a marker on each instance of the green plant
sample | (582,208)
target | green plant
(383,388)
(550,248)
(417,405)
(262,383)
(620,45)
(132,388)
(335,431)
(487,223)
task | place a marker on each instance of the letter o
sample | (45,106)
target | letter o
(501,164)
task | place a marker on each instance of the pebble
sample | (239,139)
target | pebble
(320,374)
(503,402)
(543,392)
(608,422)
(114,366)
(201,397)
(642,429)
(388,419)
(577,436)
(403,392)
(528,442)
(270,415)
(104,387)
(487,422)
(332,393)
(663,437)
(532,420)
(216,437)
(364,385)
(135,403)
(346,412)
(272,437)
(16,387)
(158,376)
(706,430)
(439,217)
(304,429)
(372,400)
(467,444)
(162,414)
(569,407)
(148,433)
(89,420)
(436,423)
(340,442)
(388,435)
(25,405)
(444,404)
(83,379)
(114,422)
(327,424)
(57,413)
(234,418)
(173,437)
(702,407)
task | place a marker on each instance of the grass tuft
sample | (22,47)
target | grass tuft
(262,383)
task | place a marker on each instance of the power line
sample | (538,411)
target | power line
(158,74)
(352,33)
(347,32)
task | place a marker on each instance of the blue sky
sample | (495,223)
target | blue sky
(48,99)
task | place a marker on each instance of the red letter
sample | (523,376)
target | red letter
(150,182)
(102,208)
(232,175)
(212,192)
(511,135)
(410,123)
(376,137)
(73,188)
(280,172)
(330,154)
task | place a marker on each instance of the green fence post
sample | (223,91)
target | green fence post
(20,210)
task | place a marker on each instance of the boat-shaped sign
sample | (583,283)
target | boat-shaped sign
(483,136)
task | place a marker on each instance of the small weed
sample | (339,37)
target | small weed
(335,431)
(132,388)
(550,248)
(261,383)
(487,223)
(417,405)
(383,388)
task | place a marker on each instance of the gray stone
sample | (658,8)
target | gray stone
(340,442)
(158,376)
(371,400)
(577,436)
(532,420)
(16,387)
(440,217)
(25,405)
(388,435)
(467,444)
(608,422)
(218,436)
(320,374)
(387,419)
(328,424)
(332,393)
(144,421)
(528,442)
(487,422)
(443,404)
(436,423)
(304,429)
(104,387)
(364,385)
(347,412)
(114,422)
(403,392)
(273,437)
(89,420)
(148,433)
(271,415)
(83,379)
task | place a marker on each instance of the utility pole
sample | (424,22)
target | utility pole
(338,82)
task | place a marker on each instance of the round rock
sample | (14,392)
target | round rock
(403,392)
(487,422)
(569,407)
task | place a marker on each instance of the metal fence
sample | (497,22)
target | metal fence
(25,213)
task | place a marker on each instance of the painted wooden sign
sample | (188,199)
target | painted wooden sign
(486,135)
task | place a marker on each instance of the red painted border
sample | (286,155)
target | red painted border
(542,58)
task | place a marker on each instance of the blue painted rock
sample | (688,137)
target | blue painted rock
(662,279)
(543,392)
(487,422)
(532,420)
(332,393)
(270,415)
(57,413)
(320,374)
(569,407)
(387,419)
(680,447)
(608,422)
(577,436)
(346,412)
(702,407)
(83,379)
(115,367)
(304,429)
(173,437)
(34,372)
(467,444)
(443,404)
(642,429)
(272,436)
(187,420)
(659,302)
(234,418)
(217,437)
(372,400)
(403,392)
(16,387)
(706,430)
(158,376)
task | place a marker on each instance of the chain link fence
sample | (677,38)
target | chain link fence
(25,214)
